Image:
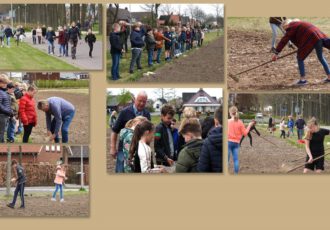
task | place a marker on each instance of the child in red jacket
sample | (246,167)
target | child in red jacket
(61,41)
(27,112)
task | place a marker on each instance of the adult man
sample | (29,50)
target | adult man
(20,180)
(137,108)
(5,108)
(300,124)
(62,112)
(137,44)
(74,35)
(116,49)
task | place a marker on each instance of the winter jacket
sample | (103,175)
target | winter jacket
(50,36)
(183,36)
(290,123)
(160,38)
(43,31)
(5,105)
(60,177)
(61,38)
(150,42)
(116,45)
(13,104)
(39,32)
(59,108)
(189,157)
(74,33)
(136,39)
(90,38)
(210,159)
(8,32)
(27,111)
(304,35)
(162,144)
(20,175)
(169,36)
(66,36)
(300,123)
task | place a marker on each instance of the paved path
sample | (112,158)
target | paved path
(83,61)
(67,188)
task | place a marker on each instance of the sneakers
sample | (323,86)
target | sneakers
(273,50)
(301,82)
(10,206)
(53,199)
(326,80)
(131,71)
(62,200)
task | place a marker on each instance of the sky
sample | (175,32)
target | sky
(208,8)
(213,92)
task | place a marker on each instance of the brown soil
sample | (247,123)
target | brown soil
(248,49)
(74,206)
(204,65)
(79,127)
(265,157)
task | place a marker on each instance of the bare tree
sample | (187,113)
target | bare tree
(166,9)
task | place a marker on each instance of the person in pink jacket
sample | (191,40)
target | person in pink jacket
(59,181)
(236,130)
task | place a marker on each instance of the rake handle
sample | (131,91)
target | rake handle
(306,163)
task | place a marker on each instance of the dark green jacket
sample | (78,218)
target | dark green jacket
(189,156)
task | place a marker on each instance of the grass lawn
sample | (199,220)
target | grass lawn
(125,61)
(262,23)
(47,194)
(24,57)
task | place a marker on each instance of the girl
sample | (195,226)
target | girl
(125,140)
(59,181)
(90,39)
(282,128)
(314,146)
(236,130)
(168,43)
(61,41)
(39,34)
(140,150)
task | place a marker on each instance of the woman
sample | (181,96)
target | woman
(314,145)
(236,130)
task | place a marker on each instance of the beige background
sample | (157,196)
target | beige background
(195,201)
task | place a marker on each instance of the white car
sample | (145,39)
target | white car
(259,116)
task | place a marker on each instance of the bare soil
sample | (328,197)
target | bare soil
(79,127)
(265,157)
(205,65)
(74,206)
(248,49)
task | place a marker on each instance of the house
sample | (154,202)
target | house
(36,76)
(201,101)
(113,103)
(122,15)
(74,76)
(172,19)
(158,104)
(144,17)
(75,156)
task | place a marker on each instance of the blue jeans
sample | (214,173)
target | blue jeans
(58,186)
(20,127)
(11,129)
(319,52)
(275,29)
(300,133)
(66,121)
(183,47)
(233,149)
(8,41)
(19,189)
(115,66)
(159,53)
(50,47)
(150,56)
(120,162)
(136,58)
(62,49)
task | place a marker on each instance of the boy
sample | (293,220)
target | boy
(12,120)
(164,143)
(189,156)
(20,180)
(116,50)
(210,159)
(5,109)
(150,45)
(90,39)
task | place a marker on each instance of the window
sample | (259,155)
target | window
(202,100)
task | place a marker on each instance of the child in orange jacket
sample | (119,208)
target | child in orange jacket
(59,181)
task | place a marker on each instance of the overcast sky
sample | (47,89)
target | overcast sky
(208,8)
(213,92)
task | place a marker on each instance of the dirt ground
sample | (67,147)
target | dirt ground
(79,128)
(251,48)
(204,65)
(74,206)
(265,157)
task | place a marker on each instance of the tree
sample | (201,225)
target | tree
(166,94)
(166,9)
(125,97)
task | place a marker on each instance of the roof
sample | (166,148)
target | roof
(186,97)
(123,14)
(164,17)
(139,16)
(201,98)
(76,152)
(26,149)
(175,18)
(162,100)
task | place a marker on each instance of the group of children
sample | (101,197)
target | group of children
(313,140)
(20,180)
(290,124)
(40,35)
(182,150)
(175,40)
